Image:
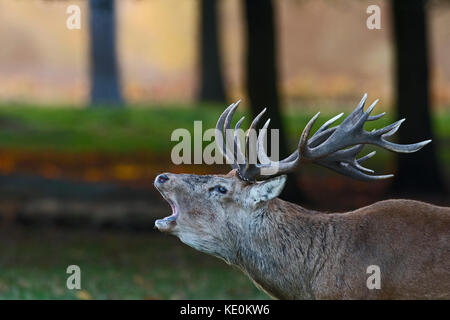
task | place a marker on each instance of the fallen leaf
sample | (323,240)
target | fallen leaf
(84,295)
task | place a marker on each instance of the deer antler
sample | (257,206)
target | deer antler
(247,170)
(328,147)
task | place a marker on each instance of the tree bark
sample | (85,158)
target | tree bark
(104,74)
(211,79)
(262,77)
(418,172)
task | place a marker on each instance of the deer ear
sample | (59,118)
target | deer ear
(267,190)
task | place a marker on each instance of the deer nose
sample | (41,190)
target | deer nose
(162,178)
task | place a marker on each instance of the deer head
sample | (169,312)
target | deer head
(210,212)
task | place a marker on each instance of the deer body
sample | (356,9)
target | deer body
(299,254)
(294,253)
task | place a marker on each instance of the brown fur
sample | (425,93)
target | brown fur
(408,240)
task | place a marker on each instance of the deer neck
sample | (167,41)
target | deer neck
(284,241)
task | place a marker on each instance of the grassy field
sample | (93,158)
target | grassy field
(114,265)
(132,129)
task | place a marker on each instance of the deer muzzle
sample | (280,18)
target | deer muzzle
(162,184)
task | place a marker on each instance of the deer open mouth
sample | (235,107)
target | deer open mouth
(166,224)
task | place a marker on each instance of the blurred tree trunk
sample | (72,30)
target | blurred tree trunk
(211,81)
(418,172)
(262,77)
(104,74)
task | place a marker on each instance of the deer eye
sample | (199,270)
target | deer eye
(220,189)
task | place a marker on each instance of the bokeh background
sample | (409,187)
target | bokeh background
(86,117)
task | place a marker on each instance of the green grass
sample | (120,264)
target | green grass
(128,129)
(73,130)
(116,265)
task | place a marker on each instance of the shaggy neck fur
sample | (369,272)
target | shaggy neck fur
(284,240)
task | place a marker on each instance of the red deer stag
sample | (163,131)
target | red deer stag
(294,253)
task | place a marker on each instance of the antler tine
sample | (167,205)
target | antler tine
(349,171)
(344,162)
(229,116)
(360,105)
(328,123)
(365,115)
(377,138)
(367,156)
(358,110)
(262,136)
(282,166)
(221,137)
(262,155)
(239,156)
(247,136)
(347,156)
(376,117)
(305,134)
